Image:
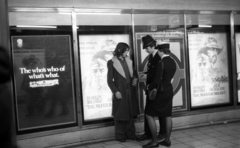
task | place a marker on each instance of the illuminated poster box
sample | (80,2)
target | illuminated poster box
(43,81)
(208,68)
(95,51)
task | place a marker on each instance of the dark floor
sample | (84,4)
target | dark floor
(225,135)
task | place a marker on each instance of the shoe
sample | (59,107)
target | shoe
(121,140)
(160,138)
(143,137)
(151,145)
(165,143)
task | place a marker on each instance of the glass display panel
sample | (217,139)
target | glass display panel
(164,28)
(43,72)
(208,43)
(95,51)
(98,37)
(237,45)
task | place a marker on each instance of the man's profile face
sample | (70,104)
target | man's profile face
(148,49)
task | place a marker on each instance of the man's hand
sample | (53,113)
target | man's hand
(118,95)
(134,82)
(143,76)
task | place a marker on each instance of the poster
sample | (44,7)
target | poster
(237,35)
(208,60)
(175,39)
(43,81)
(19,57)
(95,51)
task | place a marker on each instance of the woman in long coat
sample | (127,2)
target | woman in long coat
(122,79)
(162,105)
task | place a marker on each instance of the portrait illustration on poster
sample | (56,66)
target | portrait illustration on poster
(208,69)
(206,59)
(95,51)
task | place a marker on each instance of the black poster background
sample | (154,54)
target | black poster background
(43,81)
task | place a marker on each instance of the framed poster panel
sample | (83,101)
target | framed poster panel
(95,51)
(43,81)
(176,40)
(208,59)
(237,35)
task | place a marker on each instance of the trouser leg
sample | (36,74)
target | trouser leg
(130,128)
(146,126)
(119,130)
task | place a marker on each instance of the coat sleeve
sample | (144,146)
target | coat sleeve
(157,80)
(110,77)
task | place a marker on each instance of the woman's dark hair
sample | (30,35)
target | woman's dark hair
(164,50)
(120,49)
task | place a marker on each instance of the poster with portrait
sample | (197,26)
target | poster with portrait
(237,35)
(95,51)
(43,81)
(175,39)
(208,59)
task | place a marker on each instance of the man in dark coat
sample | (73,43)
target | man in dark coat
(122,79)
(150,44)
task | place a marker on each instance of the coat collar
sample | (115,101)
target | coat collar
(117,65)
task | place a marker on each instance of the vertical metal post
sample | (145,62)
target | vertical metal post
(187,63)
(233,61)
(141,107)
(76,67)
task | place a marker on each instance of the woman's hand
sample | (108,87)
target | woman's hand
(118,95)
